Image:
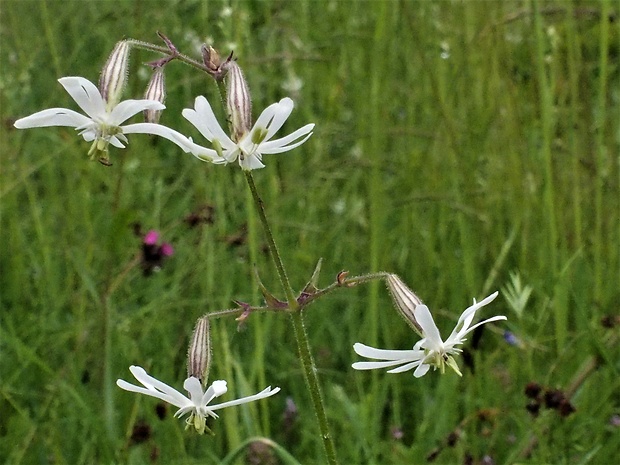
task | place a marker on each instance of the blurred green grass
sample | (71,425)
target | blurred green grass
(455,142)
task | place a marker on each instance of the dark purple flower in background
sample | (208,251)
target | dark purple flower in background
(154,253)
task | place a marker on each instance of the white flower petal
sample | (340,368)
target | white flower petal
(281,145)
(200,152)
(250,162)
(460,336)
(193,386)
(128,108)
(384,354)
(162,131)
(89,135)
(203,118)
(421,370)
(53,117)
(407,366)
(216,389)
(432,337)
(466,318)
(151,393)
(273,117)
(178,399)
(267,392)
(377,365)
(85,94)
(114,140)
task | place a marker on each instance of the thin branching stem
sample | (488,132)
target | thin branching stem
(303,343)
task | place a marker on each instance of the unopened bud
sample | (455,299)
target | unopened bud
(211,58)
(214,64)
(114,74)
(406,301)
(156,90)
(238,102)
(199,352)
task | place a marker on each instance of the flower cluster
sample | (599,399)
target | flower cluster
(103,124)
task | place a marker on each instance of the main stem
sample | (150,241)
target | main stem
(303,344)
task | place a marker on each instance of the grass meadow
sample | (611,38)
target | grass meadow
(467,146)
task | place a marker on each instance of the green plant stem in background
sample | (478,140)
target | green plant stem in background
(303,344)
(108,379)
(545,90)
(107,307)
(601,155)
(282,453)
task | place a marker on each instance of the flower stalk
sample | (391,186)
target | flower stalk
(301,336)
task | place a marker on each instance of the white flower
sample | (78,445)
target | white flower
(431,350)
(252,145)
(197,405)
(102,126)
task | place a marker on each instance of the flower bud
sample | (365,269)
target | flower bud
(211,58)
(156,90)
(406,301)
(199,352)
(238,102)
(114,74)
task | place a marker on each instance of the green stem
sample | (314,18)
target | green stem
(273,249)
(312,382)
(109,285)
(350,282)
(108,395)
(599,186)
(545,86)
(303,344)
(165,51)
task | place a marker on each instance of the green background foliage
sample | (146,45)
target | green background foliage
(456,143)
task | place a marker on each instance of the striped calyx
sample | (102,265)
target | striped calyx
(114,74)
(199,352)
(406,301)
(156,90)
(238,102)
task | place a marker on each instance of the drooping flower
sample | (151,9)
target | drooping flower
(251,145)
(431,350)
(197,405)
(102,126)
